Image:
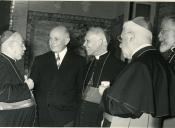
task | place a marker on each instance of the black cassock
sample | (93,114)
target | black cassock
(13,90)
(146,85)
(104,69)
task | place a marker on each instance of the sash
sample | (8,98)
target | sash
(17,105)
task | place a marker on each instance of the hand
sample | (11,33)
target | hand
(103,86)
(101,89)
(29,82)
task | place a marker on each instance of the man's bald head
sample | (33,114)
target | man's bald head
(98,32)
(59,38)
(61,29)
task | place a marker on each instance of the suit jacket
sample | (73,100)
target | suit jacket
(57,91)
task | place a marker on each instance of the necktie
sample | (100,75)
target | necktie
(58,61)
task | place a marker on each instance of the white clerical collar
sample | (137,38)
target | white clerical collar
(98,57)
(9,56)
(172,49)
(142,46)
(61,54)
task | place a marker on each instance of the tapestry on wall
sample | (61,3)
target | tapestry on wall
(39,25)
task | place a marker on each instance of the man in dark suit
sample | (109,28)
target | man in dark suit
(167,48)
(57,76)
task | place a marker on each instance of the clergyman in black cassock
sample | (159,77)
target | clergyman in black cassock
(144,89)
(104,67)
(17,106)
(167,39)
(14,90)
(167,48)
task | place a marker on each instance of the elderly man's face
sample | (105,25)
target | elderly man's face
(58,40)
(92,43)
(125,43)
(18,46)
(166,36)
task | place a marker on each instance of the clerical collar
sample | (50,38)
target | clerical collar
(140,47)
(61,54)
(142,51)
(173,49)
(8,57)
(98,57)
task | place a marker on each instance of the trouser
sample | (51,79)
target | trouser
(52,116)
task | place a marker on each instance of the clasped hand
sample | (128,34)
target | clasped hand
(29,82)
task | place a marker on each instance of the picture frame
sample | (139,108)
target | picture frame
(145,9)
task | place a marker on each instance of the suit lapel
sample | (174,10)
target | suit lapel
(65,60)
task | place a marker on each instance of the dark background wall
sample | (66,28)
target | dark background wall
(4,15)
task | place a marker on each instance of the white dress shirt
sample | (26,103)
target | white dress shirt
(61,55)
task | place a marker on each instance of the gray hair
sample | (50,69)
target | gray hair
(98,31)
(62,28)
